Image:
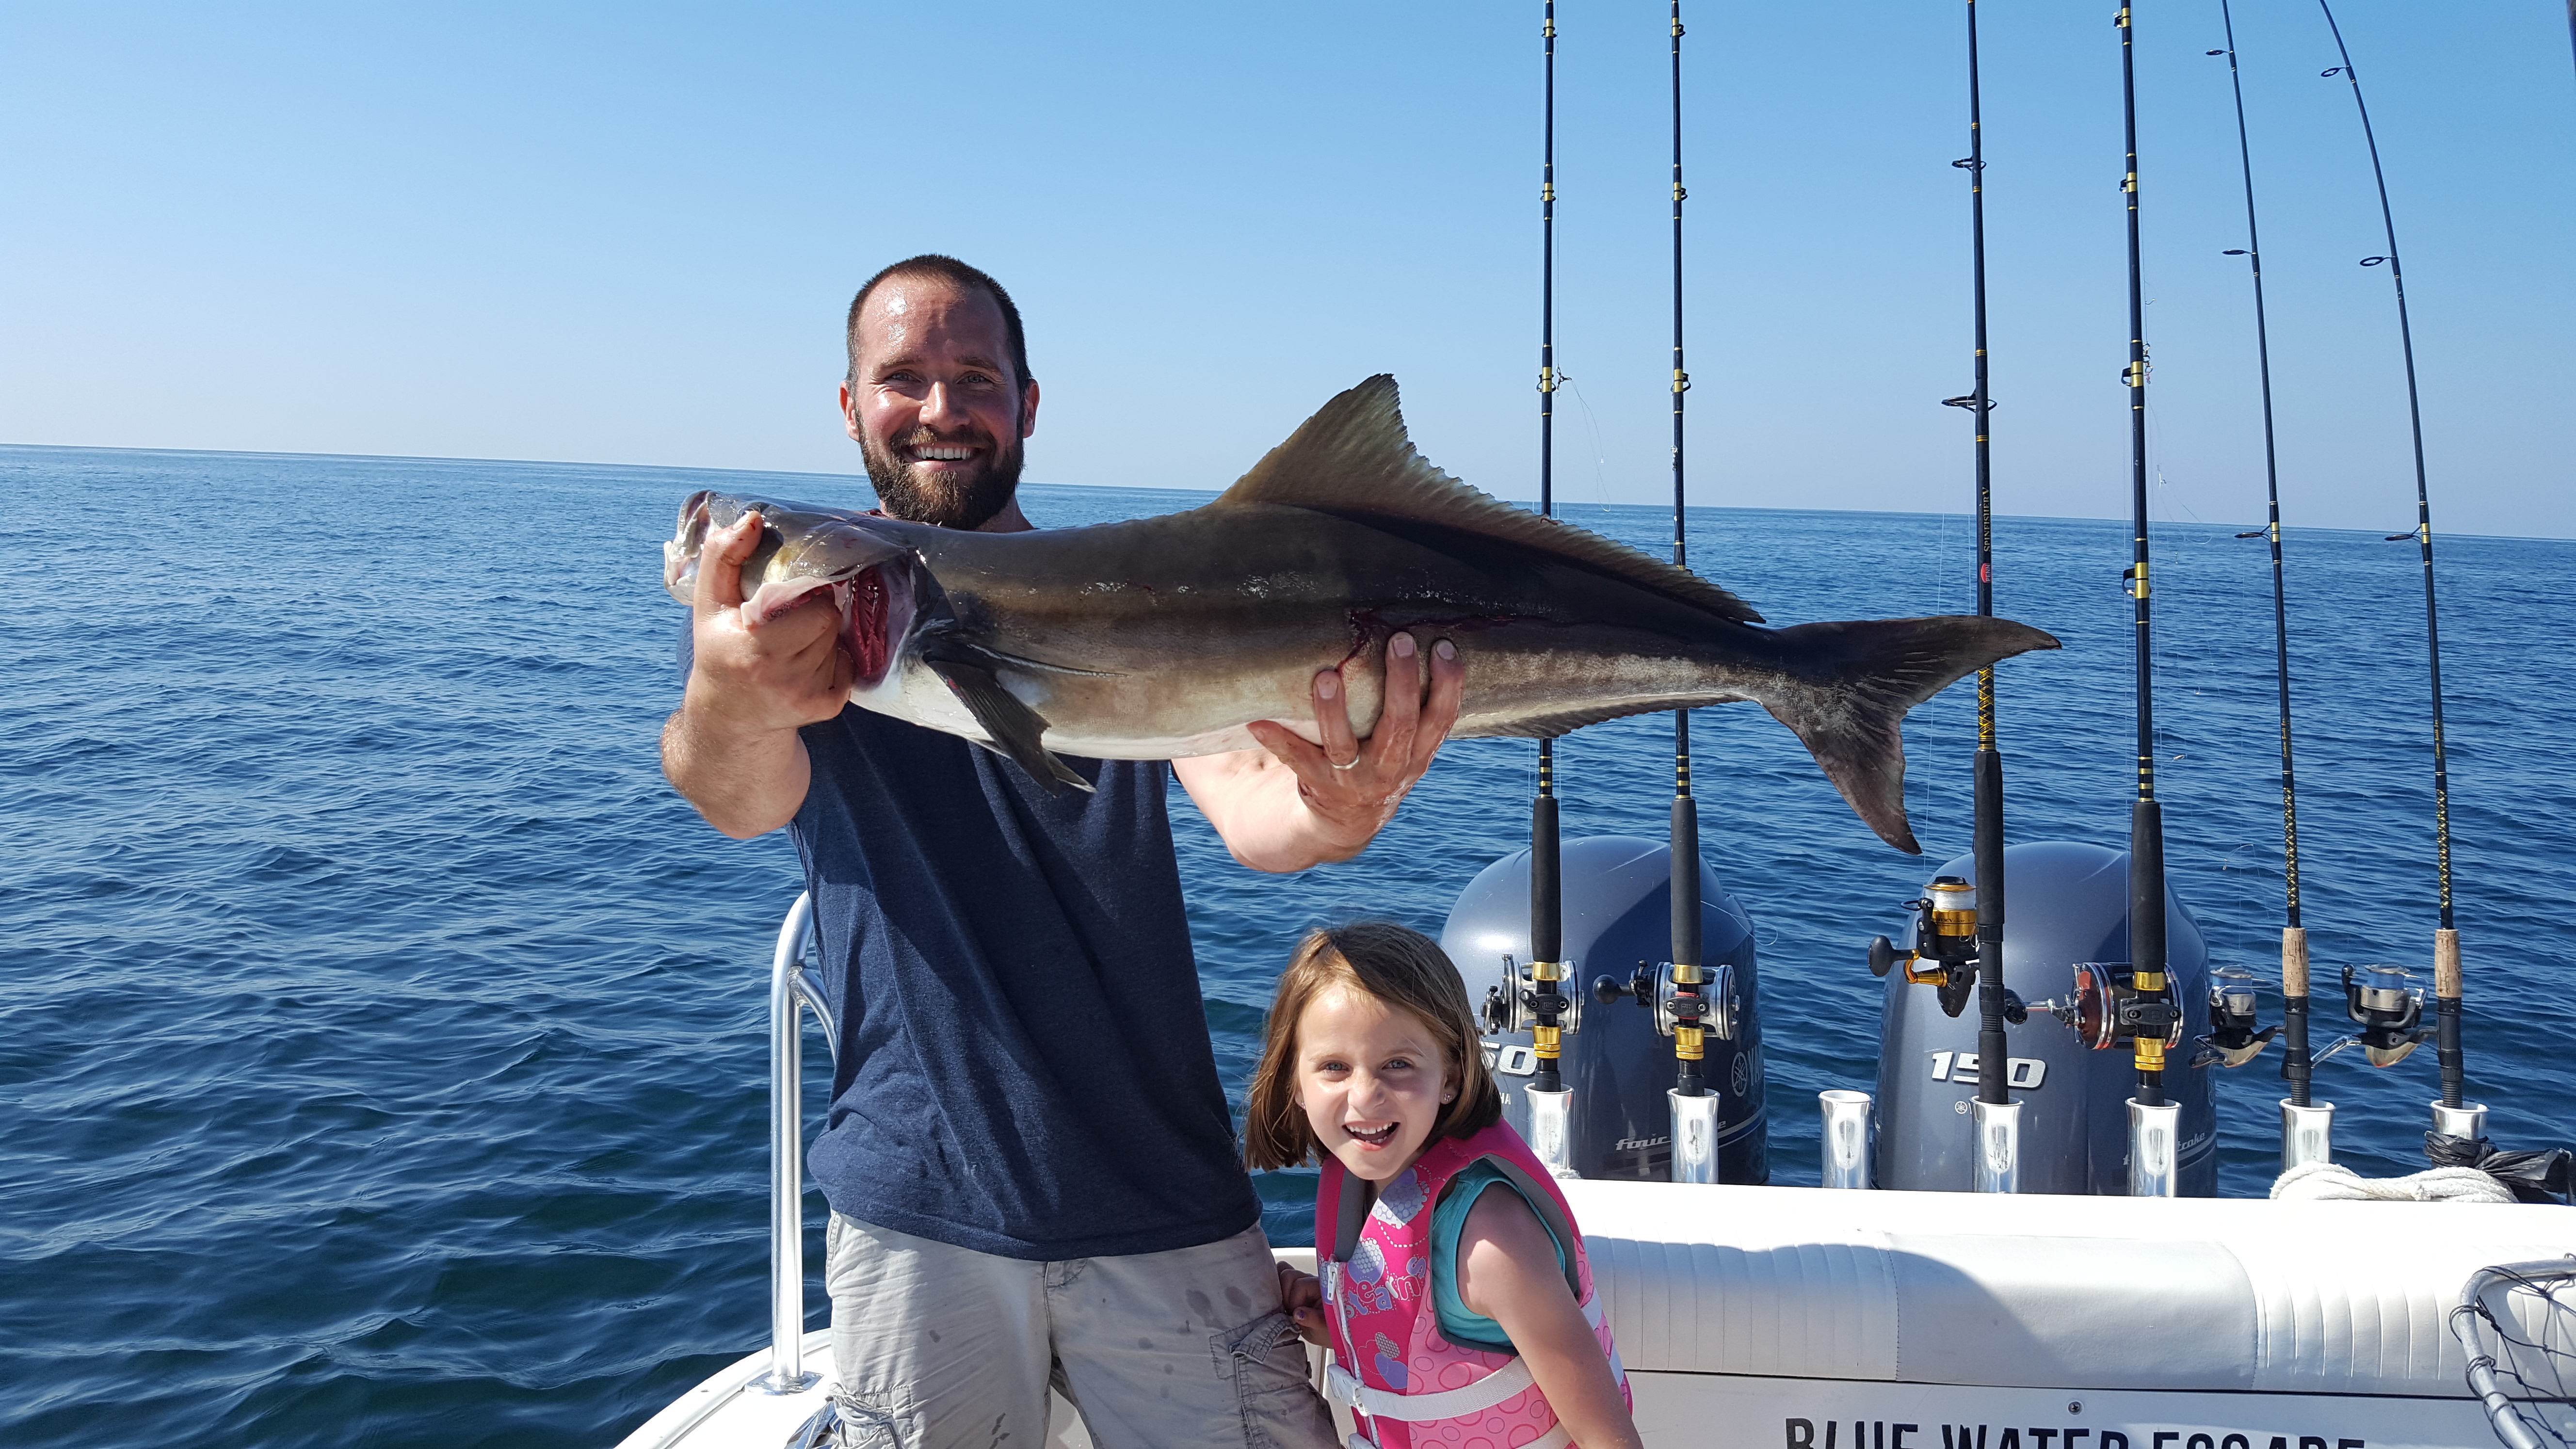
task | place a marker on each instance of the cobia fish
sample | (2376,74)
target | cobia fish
(1164,637)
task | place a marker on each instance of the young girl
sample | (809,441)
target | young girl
(1455,1297)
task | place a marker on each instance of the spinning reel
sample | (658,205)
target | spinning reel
(1945,943)
(2389,1011)
(2232,1039)
(2106,1009)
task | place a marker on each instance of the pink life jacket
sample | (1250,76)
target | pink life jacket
(1410,1385)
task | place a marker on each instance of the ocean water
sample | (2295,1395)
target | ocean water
(382,1048)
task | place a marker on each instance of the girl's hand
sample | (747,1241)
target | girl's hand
(1302,1297)
(1507,1271)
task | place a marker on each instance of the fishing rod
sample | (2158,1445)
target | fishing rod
(1695,1109)
(2149,1011)
(1549,1102)
(1691,1000)
(1998,1121)
(2453,1115)
(2307,1128)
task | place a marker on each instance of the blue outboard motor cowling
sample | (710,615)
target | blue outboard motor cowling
(1618,916)
(2063,903)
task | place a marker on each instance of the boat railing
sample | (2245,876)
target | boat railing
(794,987)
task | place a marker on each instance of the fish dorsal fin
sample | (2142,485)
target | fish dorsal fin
(1352,458)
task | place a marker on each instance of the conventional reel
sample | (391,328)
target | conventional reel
(1513,1005)
(2106,1009)
(1706,1003)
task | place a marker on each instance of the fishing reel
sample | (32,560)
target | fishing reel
(2388,1009)
(2232,1039)
(1513,1005)
(2106,1009)
(1945,943)
(1707,1005)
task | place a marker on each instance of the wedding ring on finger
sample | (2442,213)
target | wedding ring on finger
(1353,765)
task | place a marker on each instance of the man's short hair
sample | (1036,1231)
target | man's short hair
(961,276)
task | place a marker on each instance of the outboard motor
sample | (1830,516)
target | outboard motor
(2066,940)
(1618,918)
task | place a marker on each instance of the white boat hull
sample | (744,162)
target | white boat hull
(1795,1318)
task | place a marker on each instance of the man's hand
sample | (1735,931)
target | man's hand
(731,748)
(1292,805)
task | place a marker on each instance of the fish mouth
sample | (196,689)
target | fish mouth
(875,605)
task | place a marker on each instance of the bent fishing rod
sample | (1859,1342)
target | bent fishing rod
(2451,1116)
(1544,1001)
(2151,1014)
(2296,1065)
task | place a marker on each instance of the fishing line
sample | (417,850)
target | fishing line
(1600,451)
(2296,1063)
(2146,822)
(2446,940)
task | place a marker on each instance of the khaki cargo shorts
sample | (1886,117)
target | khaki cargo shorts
(939,1347)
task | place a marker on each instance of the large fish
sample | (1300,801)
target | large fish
(1163,637)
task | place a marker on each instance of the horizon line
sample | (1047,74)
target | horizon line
(1185,492)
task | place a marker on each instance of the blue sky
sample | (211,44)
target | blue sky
(626,234)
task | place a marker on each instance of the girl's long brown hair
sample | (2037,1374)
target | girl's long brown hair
(1399,966)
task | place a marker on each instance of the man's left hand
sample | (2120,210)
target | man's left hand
(1304,804)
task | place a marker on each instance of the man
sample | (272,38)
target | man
(1031,1168)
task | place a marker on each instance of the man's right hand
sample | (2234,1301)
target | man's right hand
(731,748)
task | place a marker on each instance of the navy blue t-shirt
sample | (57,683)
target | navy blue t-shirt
(1024,1067)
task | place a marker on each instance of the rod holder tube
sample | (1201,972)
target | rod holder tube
(1998,1146)
(1551,1139)
(1850,1137)
(2468,1119)
(2307,1133)
(1694,1136)
(2155,1143)
(787,1157)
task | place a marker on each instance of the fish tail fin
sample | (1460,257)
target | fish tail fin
(1848,686)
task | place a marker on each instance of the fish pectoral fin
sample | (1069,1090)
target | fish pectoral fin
(1016,729)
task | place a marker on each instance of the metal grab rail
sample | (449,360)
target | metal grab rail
(791,987)
(2510,1426)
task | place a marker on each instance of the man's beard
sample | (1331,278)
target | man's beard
(949,502)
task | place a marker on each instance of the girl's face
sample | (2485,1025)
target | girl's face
(1371,1078)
